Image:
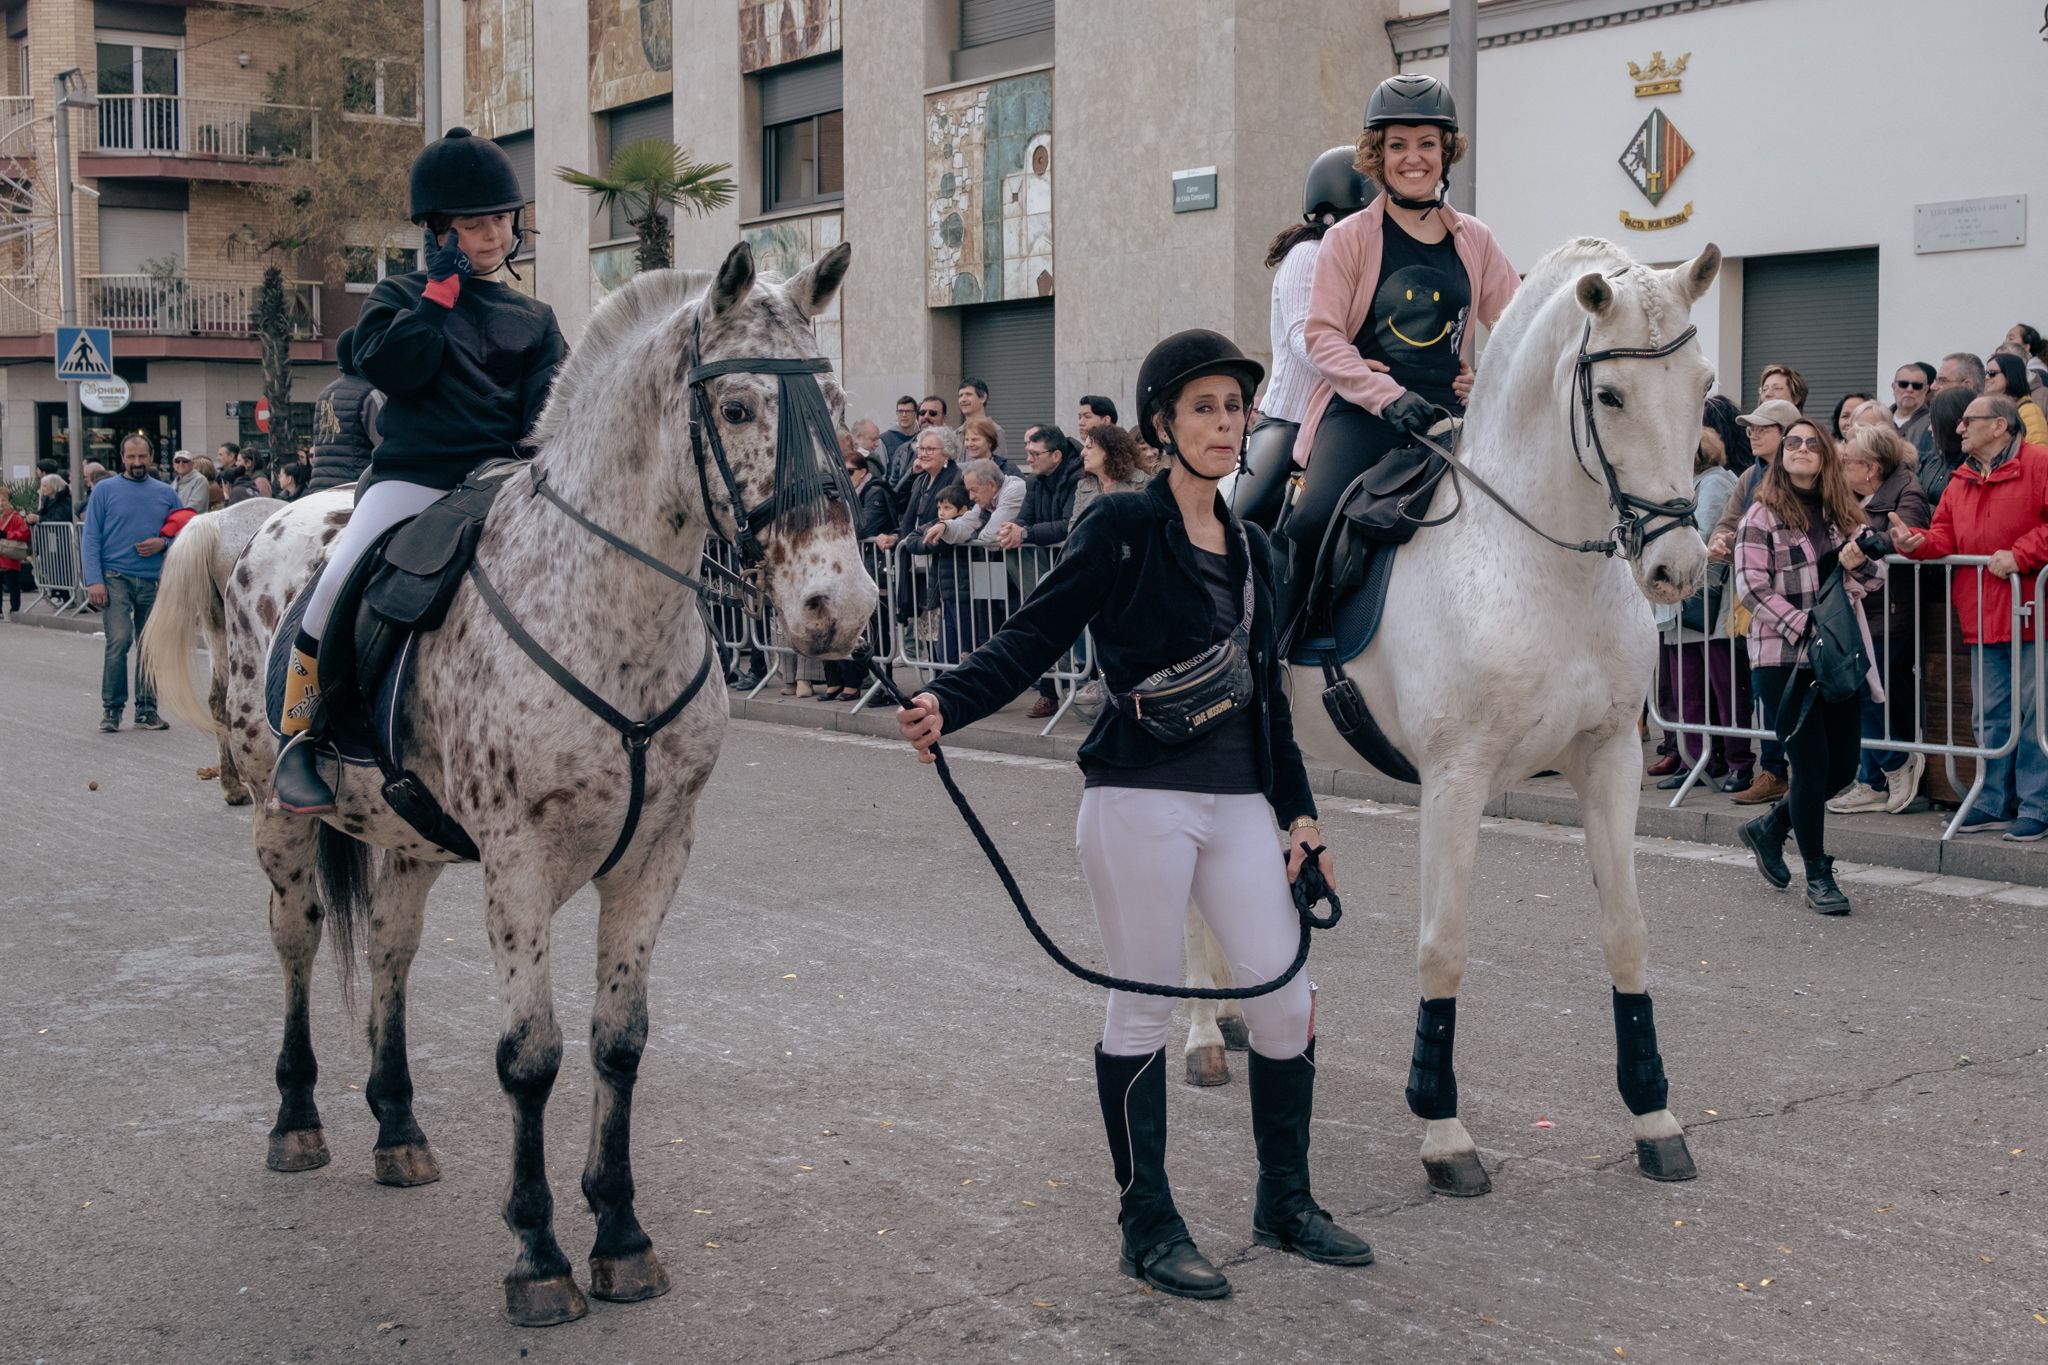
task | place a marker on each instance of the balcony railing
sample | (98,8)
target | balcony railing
(228,130)
(17,126)
(183,305)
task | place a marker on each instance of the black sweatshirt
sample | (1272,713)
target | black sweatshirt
(461,385)
(1129,573)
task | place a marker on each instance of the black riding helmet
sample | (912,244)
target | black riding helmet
(1411,98)
(1182,358)
(1335,185)
(461,175)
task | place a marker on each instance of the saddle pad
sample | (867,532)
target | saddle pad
(1355,621)
(351,742)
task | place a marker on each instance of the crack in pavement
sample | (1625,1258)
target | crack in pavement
(1862,1092)
(918,1315)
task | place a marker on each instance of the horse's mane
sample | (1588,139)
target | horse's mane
(646,301)
(1545,300)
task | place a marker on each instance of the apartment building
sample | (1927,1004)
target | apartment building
(1036,190)
(170,233)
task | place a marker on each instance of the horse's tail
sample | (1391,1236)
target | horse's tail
(344,870)
(187,600)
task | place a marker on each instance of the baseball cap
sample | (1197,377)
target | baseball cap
(1772,412)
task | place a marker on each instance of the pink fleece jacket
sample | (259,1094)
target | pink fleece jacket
(1347,273)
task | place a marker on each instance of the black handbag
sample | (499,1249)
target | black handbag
(1834,651)
(1187,700)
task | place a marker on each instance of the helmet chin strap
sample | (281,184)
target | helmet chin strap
(1173,449)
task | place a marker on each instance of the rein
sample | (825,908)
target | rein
(1630,535)
(1309,887)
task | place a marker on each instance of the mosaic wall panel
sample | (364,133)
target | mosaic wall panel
(497,66)
(776,31)
(988,192)
(629,52)
(783,248)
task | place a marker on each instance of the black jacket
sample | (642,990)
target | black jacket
(874,510)
(1049,502)
(921,502)
(461,385)
(56,507)
(1129,575)
(341,432)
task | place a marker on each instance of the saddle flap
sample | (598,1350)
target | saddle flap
(425,559)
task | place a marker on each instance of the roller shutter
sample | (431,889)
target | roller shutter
(636,123)
(519,149)
(992,21)
(1817,312)
(789,93)
(1009,346)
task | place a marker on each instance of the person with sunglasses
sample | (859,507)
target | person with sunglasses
(1805,518)
(1909,400)
(1996,504)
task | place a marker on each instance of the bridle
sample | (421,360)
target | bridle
(806,480)
(1632,532)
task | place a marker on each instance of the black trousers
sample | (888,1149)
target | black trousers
(1268,459)
(10,583)
(1823,751)
(1349,441)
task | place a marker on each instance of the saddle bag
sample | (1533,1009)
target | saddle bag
(1384,506)
(425,559)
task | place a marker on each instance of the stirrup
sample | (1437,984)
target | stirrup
(295,781)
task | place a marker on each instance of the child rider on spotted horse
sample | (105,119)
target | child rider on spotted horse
(464,363)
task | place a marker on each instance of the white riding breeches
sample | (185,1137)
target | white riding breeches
(1144,852)
(378,508)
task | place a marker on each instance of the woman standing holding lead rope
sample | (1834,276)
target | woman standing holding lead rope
(1187,769)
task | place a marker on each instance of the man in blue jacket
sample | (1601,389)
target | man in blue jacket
(123,548)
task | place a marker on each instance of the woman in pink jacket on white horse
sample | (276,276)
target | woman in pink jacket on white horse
(1397,287)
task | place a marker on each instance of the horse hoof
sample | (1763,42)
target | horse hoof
(1236,1037)
(1460,1176)
(628,1279)
(544,1303)
(1207,1066)
(1666,1158)
(240,798)
(302,1149)
(410,1164)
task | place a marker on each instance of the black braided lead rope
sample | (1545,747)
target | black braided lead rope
(1309,887)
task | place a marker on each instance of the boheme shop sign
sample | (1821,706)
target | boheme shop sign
(1970,224)
(1657,153)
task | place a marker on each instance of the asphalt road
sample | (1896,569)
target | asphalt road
(866,1123)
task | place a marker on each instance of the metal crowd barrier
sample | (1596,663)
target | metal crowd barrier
(55,550)
(935,606)
(1721,677)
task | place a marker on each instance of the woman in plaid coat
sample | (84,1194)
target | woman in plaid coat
(1804,517)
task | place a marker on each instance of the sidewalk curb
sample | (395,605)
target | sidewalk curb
(77,625)
(1872,839)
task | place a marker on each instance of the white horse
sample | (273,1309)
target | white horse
(635,440)
(1501,655)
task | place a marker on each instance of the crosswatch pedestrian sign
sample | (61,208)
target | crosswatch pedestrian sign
(85,353)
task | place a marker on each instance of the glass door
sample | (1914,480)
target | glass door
(138,85)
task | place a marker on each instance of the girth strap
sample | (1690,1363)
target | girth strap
(635,735)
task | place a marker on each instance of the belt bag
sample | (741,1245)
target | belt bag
(1195,697)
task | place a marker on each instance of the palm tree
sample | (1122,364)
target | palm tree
(648,176)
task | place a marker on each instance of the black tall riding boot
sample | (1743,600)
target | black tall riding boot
(1765,837)
(1156,1245)
(1286,1214)
(296,782)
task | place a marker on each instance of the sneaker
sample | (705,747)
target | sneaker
(150,720)
(1738,779)
(1857,800)
(2027,830)
(1981,821)
(1902,784)
(1090,700)
(110,720)
(1767,788)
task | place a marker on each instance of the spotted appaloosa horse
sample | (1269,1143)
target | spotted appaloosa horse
(540,783)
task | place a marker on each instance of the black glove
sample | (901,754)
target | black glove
(447,267)
(1412,414)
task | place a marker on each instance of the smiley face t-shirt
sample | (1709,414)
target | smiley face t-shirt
(1420,308)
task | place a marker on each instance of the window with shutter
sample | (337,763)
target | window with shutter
(1816,312)
(624,127)
(802,134)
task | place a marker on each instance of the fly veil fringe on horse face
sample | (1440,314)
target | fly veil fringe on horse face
(1502,652)
(661,430)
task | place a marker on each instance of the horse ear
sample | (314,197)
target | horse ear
(735,278)
(1696,276)
(812,289)
(1595,294)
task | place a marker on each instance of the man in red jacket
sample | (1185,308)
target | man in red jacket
(1996,505)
